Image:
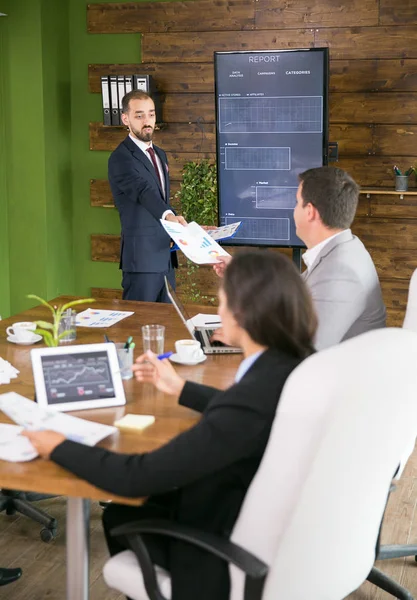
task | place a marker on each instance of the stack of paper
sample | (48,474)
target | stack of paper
(29,415)
(7,371)
(13,446)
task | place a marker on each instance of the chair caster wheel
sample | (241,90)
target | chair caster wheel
(47,535)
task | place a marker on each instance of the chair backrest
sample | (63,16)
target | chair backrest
(314,508)
(410,319)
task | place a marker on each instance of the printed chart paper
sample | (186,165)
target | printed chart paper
(29,415)
(197,245)
(101,318)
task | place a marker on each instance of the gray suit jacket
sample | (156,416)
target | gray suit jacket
(346,292)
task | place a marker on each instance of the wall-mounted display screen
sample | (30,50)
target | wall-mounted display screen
(271,124)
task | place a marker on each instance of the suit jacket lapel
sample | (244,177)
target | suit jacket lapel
(139,155)
(345,236)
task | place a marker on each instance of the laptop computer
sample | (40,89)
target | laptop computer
(201,333)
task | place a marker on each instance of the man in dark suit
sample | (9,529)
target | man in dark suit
(200,478)
(139,180)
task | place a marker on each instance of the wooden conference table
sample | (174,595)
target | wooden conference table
(48,478)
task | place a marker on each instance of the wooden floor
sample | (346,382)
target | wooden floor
(44,564)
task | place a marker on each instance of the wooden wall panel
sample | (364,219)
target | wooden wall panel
(380,234)
(369,42)
(361,75)
(352,139)
(144,17)
(105,248)
(393,207)
(168,77)
(180,137)
(345,75)
(401,137)
(393,12)
(199,47)
(100,193)
(315,13)
(375,171)
(373,101)
(395,293)
(388,107)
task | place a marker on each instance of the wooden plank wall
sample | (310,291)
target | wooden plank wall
(373,99)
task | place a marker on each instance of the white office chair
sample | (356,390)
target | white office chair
(410,322)
(313,511)
(410,319)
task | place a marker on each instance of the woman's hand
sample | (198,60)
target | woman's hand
(44,442)
(149,369)
(220,267)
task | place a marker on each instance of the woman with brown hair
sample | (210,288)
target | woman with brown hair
(200,478)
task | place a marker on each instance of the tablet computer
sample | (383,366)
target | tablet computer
(77,377)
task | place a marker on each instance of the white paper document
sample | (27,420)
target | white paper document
(29,415)
(13,446)
(101,318)
(197,245)
(202,320)
(7,371)
(224,232)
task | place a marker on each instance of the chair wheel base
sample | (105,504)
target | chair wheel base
(47,535)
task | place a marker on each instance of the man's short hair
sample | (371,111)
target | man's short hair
(133,95)
(333,193)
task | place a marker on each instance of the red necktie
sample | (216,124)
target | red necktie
(153,159)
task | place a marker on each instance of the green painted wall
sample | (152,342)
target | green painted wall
(4,228)
(89,49)
(45,163)
(36,182)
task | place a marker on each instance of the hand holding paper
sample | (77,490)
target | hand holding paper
(197,244)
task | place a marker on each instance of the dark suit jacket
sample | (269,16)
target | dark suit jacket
(145,246)
(207,469)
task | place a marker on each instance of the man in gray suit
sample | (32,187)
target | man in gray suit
(340,273)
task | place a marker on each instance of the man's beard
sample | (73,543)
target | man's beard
(144,136)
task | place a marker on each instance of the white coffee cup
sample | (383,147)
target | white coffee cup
(188,350)
(22,332)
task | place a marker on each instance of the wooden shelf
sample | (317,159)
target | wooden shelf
(387,192)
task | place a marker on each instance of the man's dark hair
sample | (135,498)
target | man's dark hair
(133,95)
(268,298)
(333,193)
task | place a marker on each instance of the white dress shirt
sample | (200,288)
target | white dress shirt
(144,147)
(311,254)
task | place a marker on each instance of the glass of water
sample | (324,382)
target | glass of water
(68,327)
(153,337)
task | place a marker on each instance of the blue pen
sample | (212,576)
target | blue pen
(166,355)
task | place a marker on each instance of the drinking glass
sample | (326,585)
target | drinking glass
(153,337)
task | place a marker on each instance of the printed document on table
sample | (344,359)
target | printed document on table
(29,415)
(101,318)
(13,446)
(197,245)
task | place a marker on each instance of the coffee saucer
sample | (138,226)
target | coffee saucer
(176,359)
(36,338)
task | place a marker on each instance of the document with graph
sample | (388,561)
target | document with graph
(196,243)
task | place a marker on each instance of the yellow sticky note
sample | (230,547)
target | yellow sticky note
(137,422)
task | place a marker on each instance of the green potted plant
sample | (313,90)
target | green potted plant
(198,199)
(50,331)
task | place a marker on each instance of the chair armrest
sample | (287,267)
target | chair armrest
(220,547)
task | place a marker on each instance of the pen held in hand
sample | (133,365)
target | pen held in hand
(165,355)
